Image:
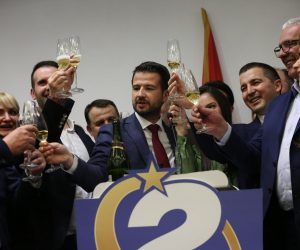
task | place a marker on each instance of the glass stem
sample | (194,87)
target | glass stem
(27,159)
(75,76)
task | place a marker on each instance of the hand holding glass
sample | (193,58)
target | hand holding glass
(174,63)
(31,115)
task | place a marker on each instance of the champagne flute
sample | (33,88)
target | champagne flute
(75,58)
(173,54)
(192,94)
(175,65)
(63,60)
(191,87)
(42,134)
(29,116)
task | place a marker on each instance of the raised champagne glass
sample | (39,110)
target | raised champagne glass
(75,58)
(63,61)
(175,65)
(192,94)
(29,116)
(173,54)
(191,87)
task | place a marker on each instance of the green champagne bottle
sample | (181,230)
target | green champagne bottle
(117,161)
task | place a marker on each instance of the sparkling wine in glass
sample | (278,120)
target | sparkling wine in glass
(42,134)
(191,87)
(192,94)
(173,54)
(75,58)
(63,61)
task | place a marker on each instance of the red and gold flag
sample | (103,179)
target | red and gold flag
(211,66)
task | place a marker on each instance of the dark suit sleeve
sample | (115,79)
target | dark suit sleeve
(208,146)
(6,156)
(56,115)
(89,174)
(245,155)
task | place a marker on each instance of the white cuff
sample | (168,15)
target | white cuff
(72,169)
(226,136)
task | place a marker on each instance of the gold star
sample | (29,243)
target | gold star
(153,178)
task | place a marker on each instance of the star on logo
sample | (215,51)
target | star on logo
(154,176)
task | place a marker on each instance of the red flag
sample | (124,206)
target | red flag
(211,66)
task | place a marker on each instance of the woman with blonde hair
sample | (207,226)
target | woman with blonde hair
(14,193)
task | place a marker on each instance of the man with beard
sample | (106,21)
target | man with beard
(55,222)
(149,92)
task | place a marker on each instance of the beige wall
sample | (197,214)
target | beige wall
(119,34)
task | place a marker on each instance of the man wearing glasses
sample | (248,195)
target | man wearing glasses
(289,41)
(274,152)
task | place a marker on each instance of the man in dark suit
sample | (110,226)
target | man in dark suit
(149,92)
(274,152)
(55,225)
(260,84)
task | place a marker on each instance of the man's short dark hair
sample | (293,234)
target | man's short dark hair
(40,65)
(268,70)
(224,88)
(98,103)
(153,67)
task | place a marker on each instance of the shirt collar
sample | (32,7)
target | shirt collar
(261,118)
(295,88)
(70,126)
(145,123)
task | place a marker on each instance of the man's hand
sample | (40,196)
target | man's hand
(38,159)
(56,153)
(182,124)
(176,85)
(212,119)
(61,79)
(21,139)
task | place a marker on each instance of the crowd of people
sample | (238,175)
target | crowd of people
(40,214)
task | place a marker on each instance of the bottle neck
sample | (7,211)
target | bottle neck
(116,131)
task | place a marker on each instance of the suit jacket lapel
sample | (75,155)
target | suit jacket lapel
(278,121)
(135,132)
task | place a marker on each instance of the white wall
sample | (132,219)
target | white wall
(117,35)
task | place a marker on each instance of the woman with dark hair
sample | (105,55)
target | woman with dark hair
(188,153)
(211,97)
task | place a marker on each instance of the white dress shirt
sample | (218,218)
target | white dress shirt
(75,145)
(283,181)
(284,185)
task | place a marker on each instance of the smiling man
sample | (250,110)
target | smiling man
(260,83)
(274,153)
(289,44)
